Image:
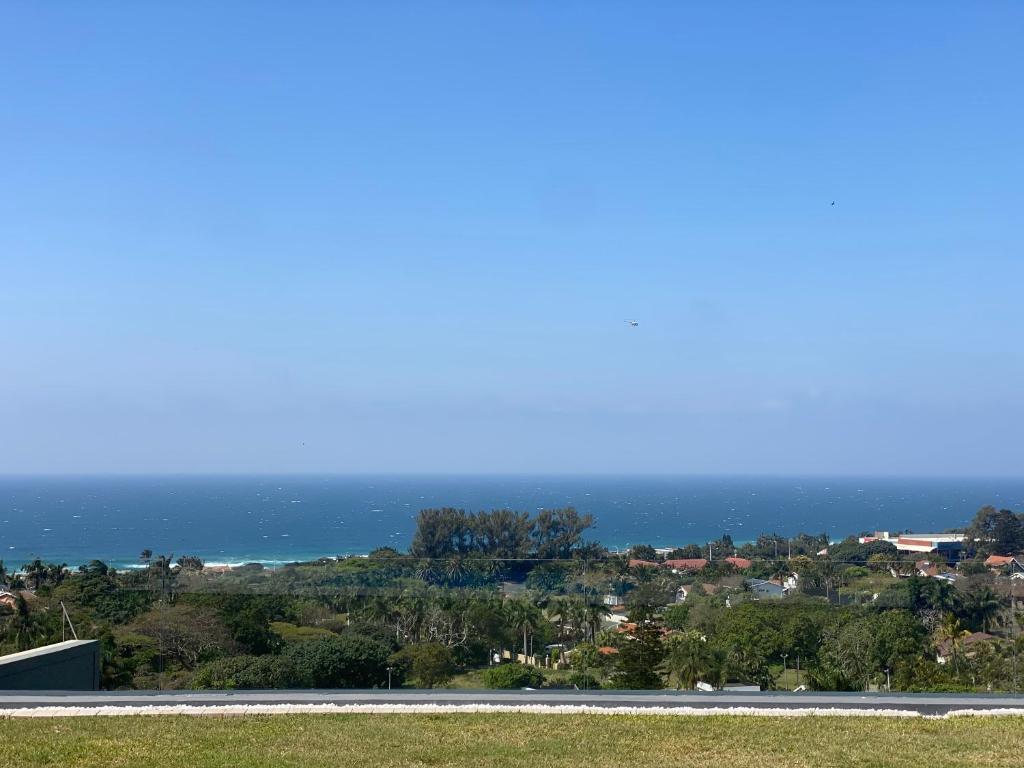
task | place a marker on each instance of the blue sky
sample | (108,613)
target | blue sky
(390,237)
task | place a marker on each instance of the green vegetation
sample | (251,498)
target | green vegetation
(507,740)
(509,676)
(476,586)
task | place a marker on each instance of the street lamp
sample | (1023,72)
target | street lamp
(784,664)
(390,670)
(888,682)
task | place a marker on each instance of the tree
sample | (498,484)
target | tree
(248,619)
(441,533)
(899,640)
(186,633)
(556,532)
(851,552)
(503,533)
(429,664)
(190,563)
(846,658)
(950,638)
(523,616)
(676,616)
(687,659)
(641,654)
(643,552)
(981,605)
(996,532)
(35,572)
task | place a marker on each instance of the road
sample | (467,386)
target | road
(926,704)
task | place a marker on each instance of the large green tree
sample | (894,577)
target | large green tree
(996,532)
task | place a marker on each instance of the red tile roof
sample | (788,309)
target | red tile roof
(687,564)
(916,542)
(740,562)
(998,560)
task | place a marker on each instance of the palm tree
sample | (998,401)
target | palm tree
(984,605)
(686,660)
(951,635)
(55,574)
(594,614)
(523,616)
(35,572)
(455,569)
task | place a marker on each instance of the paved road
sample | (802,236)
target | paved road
(928,704)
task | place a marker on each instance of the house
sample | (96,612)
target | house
(998,562)
(687,564)
(682,593)
(612,600)
(766,589)
(949,544)
(8,600)
(969,644)
(739,562)
(877,536)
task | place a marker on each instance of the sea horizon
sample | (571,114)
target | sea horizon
(281,518)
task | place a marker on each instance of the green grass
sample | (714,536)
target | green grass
(493,741)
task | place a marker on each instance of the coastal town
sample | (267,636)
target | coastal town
(507,600)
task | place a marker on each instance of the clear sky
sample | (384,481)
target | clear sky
(390,237)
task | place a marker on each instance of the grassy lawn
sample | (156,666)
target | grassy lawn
(538,741)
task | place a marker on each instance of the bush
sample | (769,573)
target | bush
(245,672)
(509,676)
(675,616)
(290,633)
(429,664)
(343,661)
(584,680)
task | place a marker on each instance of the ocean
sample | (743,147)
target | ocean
(235,519)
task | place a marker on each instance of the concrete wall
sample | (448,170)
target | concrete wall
(70,666)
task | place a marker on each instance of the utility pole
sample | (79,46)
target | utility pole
(66,618)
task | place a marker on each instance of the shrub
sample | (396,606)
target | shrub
(340,661)
(244,672)
(510,676)
(429,664)
(293,634)
(584,680)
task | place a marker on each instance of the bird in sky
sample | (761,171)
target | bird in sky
(633,323)
(833,203)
